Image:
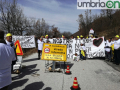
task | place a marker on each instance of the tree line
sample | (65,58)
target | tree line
(107,21)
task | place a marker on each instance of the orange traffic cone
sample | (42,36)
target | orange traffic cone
(68,71)
(75,85)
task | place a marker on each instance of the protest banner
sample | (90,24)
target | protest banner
(54,52)
(94,46)
(25,41)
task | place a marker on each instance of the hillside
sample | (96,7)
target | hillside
(106,24)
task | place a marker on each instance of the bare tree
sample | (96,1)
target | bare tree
(12,19)
(67,34)
(55,31)
(85,22)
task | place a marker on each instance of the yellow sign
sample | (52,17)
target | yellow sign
(54,52)
(18,48)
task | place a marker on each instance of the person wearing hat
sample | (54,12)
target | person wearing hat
(117,50)
(7,55)
(11,43)
(46,39)
(63,37)
(46,36)
(77,37)
(81,45)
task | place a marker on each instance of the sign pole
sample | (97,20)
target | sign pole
(64,67)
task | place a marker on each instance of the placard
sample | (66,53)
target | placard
(54,52)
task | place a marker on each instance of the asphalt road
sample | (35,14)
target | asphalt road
(91,75)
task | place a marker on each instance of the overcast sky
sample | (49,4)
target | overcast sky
(61,13)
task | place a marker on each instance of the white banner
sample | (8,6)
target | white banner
(94,47)
(25,41)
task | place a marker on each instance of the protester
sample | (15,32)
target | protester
(81,36)
(40,46)
(72,37)
(108,50)
(76,58)
(91,32)
(46,36)
(63,37)
(77,37)
(112,49)
(45,39)
(117,50)
(7,55)
(87,37)
(81,39)
(11,43)
(82,51)
(112,40)
(92,36)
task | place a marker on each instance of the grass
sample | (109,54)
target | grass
(30,52)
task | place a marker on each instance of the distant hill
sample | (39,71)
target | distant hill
(106,24)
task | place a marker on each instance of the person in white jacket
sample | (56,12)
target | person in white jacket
(7,55)
(117,50)
(108,50)
(40,47)
(10,43)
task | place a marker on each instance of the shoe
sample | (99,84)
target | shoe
(13,72)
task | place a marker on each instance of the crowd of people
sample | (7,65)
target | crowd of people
(112,47)
(8,55)
(112,50)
